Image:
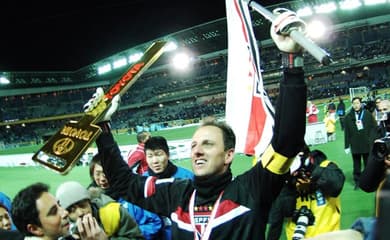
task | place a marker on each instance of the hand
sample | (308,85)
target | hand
(114,106)
(97,104)
(89,228)
(347,151)
(285,22)
(303,186)
(93,102)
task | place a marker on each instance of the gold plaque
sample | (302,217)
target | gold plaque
(62,151)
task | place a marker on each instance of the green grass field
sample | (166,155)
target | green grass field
(354,203)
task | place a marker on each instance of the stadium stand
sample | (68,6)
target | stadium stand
(161,98)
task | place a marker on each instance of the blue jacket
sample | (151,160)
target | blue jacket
(180,173)
(149,223)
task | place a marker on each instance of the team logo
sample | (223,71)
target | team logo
(63,146)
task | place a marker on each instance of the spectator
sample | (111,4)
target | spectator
(136,158)
(149,223)
(37,215)
(157,156)
(376,112)
(5,213)
(110,216)
(359,124)
(331,107)
(379,159)
(159,165)
(330,125)
(341,112)
(311,112)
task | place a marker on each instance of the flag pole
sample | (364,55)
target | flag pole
(317,52)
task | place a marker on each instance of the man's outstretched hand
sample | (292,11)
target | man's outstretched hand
(281,27)
(97,104)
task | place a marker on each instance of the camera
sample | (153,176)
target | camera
(302,218)
(381,148)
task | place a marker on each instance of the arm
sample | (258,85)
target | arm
(290,108)
(329,179)
(347,130)
(149,193)
(287,141)
(149,223)
(373,174)
(116,170)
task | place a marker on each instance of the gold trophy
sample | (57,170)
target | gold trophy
(61,152)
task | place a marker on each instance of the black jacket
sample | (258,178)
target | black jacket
(244,202)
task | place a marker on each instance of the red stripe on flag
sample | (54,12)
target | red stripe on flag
(256,125)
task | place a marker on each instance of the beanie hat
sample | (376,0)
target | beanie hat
(71,192)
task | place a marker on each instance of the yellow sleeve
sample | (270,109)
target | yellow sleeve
(275,162)
(110,217)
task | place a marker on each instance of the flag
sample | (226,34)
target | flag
(248,109)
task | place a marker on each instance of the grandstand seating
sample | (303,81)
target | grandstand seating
(162,97)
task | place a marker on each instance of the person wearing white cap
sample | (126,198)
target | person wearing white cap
(83,204)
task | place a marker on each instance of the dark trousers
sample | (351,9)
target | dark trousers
(341,120)
(357,165)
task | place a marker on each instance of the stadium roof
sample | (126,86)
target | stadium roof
(207,38)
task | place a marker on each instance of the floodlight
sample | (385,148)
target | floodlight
(349,4)
(316,29)
(119,63)
(326,7)
(304,12)
(181,61)
(135,57)
(104,69)
(170,46)
(4,80)
(373,2)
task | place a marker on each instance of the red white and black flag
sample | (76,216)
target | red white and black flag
(248,109)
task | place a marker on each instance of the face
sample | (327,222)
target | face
(384,106)
(99,177)
(5,219)
(384,113)
(356,105)
(79,209)
(53,218)
(207,152)
(377,102)
(157,160)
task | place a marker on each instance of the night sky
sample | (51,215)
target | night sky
(68,35)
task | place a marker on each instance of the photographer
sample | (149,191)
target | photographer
(378,160)
(312,191)
(376,176)
(318,183)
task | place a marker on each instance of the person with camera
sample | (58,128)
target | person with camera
(376,176)
(317,184)
(379,159)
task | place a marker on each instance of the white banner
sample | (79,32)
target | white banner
(248,109)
